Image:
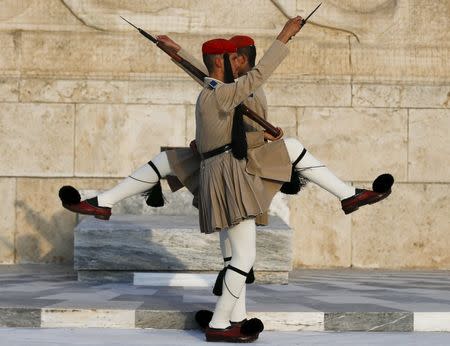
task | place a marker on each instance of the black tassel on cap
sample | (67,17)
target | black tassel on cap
(383,183)
(238,137)
(154,196)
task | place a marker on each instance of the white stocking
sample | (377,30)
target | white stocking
(139,181)
(239,312)
(243,246)
(315,171)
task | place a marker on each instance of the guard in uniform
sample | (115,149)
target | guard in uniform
(239,174)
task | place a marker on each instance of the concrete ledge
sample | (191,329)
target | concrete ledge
(276,321)
(112,251)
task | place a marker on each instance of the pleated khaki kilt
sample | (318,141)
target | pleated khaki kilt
(231,190)
(185,164)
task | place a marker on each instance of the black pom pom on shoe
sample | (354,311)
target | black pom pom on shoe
(203,317)
(69,195)
(252,326)
(383,183)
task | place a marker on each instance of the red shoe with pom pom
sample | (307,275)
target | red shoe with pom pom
(71,200)
(381,189)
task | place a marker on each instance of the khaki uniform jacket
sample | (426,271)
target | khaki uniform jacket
(186,165)
(231,190)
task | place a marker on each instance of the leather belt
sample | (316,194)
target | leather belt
(215,152)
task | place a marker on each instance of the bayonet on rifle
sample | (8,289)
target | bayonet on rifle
(306,19)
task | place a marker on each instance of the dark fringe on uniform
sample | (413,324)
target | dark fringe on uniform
(238,138)
(69,195)
(383,183)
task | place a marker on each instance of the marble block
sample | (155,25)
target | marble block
(87,318)
(165,319)
(369,321)
(432,321)
(169,243)
(20,317)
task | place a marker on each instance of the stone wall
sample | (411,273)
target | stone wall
(84,100)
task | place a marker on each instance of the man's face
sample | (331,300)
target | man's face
(243,66)
(234,64)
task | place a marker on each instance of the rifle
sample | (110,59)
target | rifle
(199,76)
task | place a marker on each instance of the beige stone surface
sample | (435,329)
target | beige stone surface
(36,139)
(79,91)
(91,54)
(181,90)
(322,232)
(37,15)
(376,95)
(44,229)
(7,220)
(9,90)
(124,55)
(300,92)
(284,117)
(407,230)
(384,20)
(9,43)
(114,140)
(357,143)
(312,56)
(177,15)
(429,145)
(423,63)
(425,96)
(401,95)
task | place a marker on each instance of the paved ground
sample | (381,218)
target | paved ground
(308,290)
(114,337)
(314,300)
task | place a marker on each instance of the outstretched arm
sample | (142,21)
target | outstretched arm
(231,94)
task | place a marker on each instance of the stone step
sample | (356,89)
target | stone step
(174,279)
(114,250)
(381,321)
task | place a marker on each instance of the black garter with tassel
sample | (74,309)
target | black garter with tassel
(218,286)
(297,181)
(154,196)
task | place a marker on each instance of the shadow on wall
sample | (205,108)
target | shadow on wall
(52,241)
(41,240)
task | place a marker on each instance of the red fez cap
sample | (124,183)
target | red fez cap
(218,46)
(242,41)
